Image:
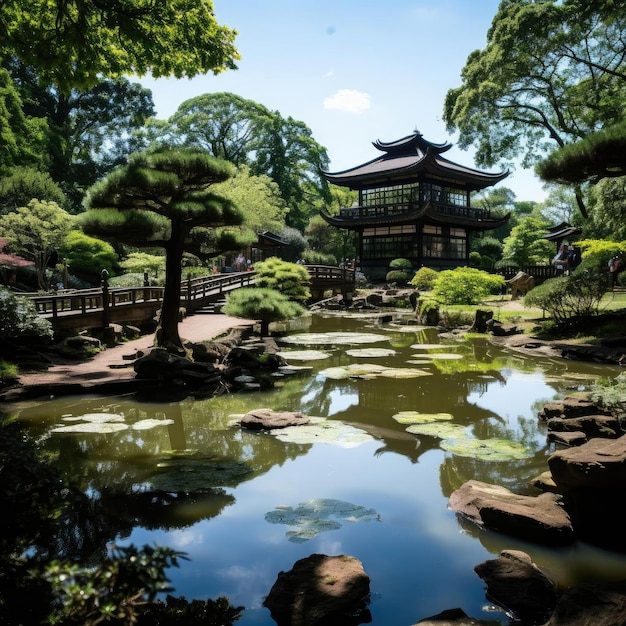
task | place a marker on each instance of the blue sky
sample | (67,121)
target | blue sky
(353,71)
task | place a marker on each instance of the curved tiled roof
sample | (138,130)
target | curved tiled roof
(412,158)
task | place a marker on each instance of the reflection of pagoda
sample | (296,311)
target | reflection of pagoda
(413,204)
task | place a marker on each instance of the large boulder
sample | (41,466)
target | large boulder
(591,478)
(267,419)
(321,590)
(515,583)
(540,519)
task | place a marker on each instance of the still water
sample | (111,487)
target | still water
(245,506)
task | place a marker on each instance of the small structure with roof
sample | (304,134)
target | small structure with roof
(413,204)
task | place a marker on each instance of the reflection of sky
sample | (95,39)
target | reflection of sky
(516,398)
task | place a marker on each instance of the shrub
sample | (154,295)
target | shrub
(475,260)
(313,257)
(18,318)
(424,278)
(258,303)
(399,277)
(610,393)
(290,279)
(400,264)
(567,297)
(466,285)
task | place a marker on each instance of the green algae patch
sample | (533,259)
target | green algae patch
(320,430)
(334,338)
(304,355)
(486,449)
(441,430)
(371,352)
(318,515)
(415,417)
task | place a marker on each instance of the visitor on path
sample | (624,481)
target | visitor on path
(616,266)
(560,262)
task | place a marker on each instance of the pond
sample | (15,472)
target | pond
(245,506)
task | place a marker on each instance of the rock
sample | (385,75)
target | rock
(569,438)
(520,284)
(321,590)
(515,583)
(591,478)
(591,605)
(571,406)
(480,321)
(449,617)
(268,419)
(591,426)
(540,519)
(598,464)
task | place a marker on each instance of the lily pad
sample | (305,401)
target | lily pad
(96,418)
(304,355)
(91,427)
(371,370)
(320,430)
(318,515)
(431,346)
(371,352)
(415,417)
(147,424)
(442,430)
(334,338)
(486,449)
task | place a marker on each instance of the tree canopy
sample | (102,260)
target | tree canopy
(76,43)
(164,198)
(552,73)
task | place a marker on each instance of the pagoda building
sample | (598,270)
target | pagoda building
(413,204)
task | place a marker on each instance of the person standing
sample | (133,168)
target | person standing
(616,266)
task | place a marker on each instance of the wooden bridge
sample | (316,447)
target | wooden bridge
(99,307)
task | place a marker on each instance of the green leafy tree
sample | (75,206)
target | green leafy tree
(596,253)
(290,279)
(74,44)
(22,138)
(552,72)
(247,133)
(36,232)
(25,184)
(259,199)
(264,304)
(607,210)
(140,262)
(163,198)
(87,256)
(89,131)
(526,244)
(465,285)
(424,278)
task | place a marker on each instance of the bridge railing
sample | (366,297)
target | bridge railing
(330,273)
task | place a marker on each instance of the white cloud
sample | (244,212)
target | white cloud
(348,100)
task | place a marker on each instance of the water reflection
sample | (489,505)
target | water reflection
(198,483)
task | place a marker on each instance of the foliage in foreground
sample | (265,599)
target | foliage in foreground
(465,285)
(568,297)
(18,318)
(610,393)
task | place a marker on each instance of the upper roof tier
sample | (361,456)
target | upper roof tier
(410,159)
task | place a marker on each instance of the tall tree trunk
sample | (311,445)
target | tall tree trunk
(167,335)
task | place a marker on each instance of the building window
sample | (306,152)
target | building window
(390,247)
(398,194)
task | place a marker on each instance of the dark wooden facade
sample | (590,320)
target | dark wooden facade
(413,204)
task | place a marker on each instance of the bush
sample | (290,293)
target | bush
(258,303)
(567,297)
(400,264)
(475,260)
(466,285)
(424,278)
(18,318)
(290,279)
(398,277)
(312,257)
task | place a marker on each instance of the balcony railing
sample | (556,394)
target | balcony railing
(387,210)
